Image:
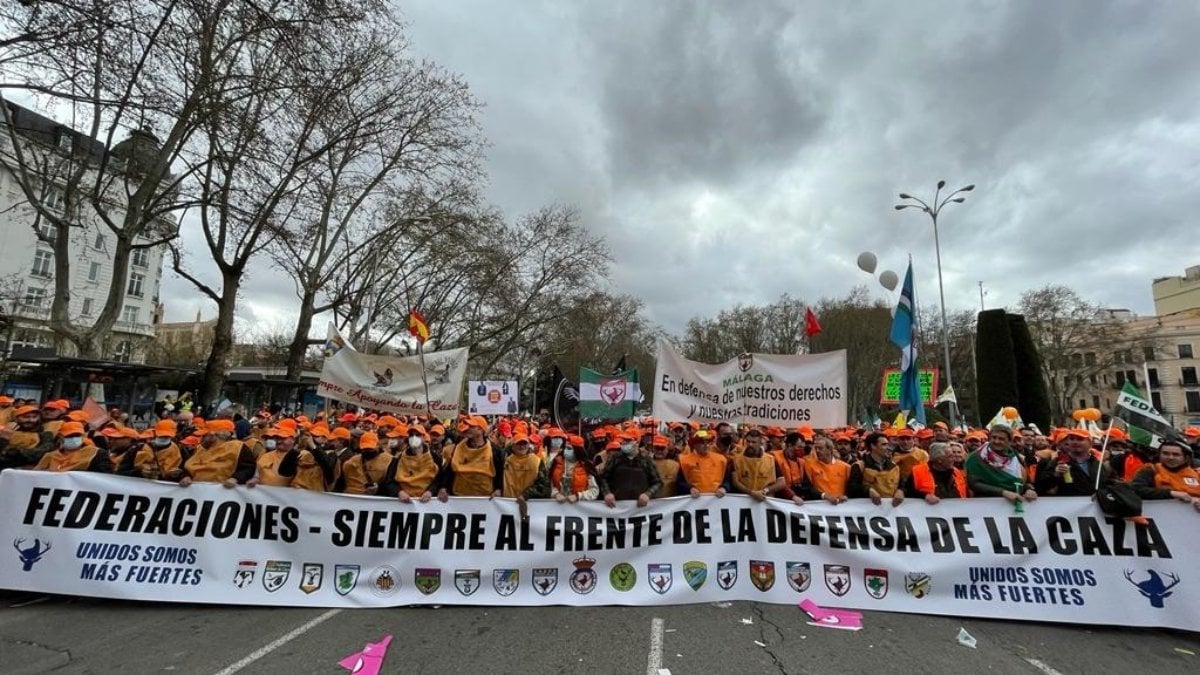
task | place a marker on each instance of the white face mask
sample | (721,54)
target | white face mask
(415,442)
(270,443)
(556,443)
(569,454)
(72,443)
(161,442)
(627,448)
(393,442)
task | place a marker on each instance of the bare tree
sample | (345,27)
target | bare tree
(260,143)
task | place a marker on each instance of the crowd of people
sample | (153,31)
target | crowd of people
(420,458)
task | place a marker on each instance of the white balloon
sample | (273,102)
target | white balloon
(889,280)
(867,262)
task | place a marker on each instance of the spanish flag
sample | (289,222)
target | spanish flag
(417,326)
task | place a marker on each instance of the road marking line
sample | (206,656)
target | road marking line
(1043,666)
(276,644)
(654,659)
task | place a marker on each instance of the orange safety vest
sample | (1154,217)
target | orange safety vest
(268,469)
(579,476)
(1186,479)
(309,475)
(76,460)
(923,481)
(1132,464)
(24,440)
(52,426)
(415,473)
(668,470)
(169,458)
(474,470)
(907,460)
(828,478)
(754,473)
(215,464)
(885,482)
(358,475)
(793,469)
(704,472)
(520,472)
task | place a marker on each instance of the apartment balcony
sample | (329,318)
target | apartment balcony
(134,328)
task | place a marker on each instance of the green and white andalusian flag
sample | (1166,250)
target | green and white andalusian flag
(1146,425)
(612,397)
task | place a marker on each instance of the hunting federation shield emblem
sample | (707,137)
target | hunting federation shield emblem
(427,579)
(727,572)
(745,362)
(275,574)
(545,580)
(345,577)
(837,579)
(799,576)
(613,391)
(466,581)
(244,576)
(312,575)
(917,584)
(505,581)
(876,581)
(659,576)
(762,574)
(695,573)
(583,579)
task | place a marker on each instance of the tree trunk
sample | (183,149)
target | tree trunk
(299,347)
(222,346)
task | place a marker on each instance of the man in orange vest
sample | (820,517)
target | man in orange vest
(475,468)
(1173,477)
(876,476)
(73,453)
(24,446)
(703,470)
(754,472)
(825,476)
(219,458)
(937,479)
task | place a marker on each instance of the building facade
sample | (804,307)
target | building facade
(27,269)
(1177,294)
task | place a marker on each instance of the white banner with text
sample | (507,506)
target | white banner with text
(1061,560)
(787,390)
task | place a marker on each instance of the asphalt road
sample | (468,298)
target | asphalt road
(75,635)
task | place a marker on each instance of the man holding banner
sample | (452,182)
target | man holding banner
(1173,477)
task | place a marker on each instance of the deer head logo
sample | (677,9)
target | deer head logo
(1154,588)
(31,554)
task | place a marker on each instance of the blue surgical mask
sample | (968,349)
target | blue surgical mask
(569,454)
(628,448)
(161,442)
(556,443)
(270,443)
(72,443)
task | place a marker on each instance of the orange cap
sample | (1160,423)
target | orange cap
(25,410)
(660,441)
(165,428)
(219,425)
(369,440)
(59,404)
(341,433)
(71,429)
(77,416)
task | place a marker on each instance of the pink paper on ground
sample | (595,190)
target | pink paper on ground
(369,660)
(842,619)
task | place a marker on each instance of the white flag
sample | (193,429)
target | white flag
(947,396)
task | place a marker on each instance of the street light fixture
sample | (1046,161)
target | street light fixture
(939,202)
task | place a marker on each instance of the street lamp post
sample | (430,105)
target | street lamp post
(938,203)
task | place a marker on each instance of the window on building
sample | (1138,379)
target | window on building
(35,298)
(141,257)
(50,233)
(1152,373)
(1119,380)
(1156,400)
(1188,374)
(94,272)
(1083,403)
(99,243)
(1193,401)
(1095,400)
(87,306)
(1185,351)
(1128,356)
(54,199)
(1131,375)
(136,284)
(1092,379)
(1089,358)
(43,264)
(129,315)
(124,351)
(1148,353)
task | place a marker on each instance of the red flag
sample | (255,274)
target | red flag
(811,325)
(417,326)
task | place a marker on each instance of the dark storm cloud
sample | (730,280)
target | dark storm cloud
(734,151)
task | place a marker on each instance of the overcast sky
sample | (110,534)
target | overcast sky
(734,151)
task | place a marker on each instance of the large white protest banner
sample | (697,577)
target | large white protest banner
(1061,560)
(771,389)
(492,397)
(392,383)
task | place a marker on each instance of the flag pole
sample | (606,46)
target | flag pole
(424,378)
(1103,451)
